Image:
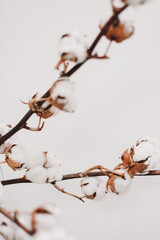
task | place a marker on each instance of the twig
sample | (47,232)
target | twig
(103,31)
(77,175)
(63,191)
(15,220)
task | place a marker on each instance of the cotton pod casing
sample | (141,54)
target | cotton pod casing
(62,95)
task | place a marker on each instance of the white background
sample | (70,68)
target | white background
(118,101)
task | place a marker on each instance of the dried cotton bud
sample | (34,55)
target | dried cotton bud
(132,166)
(62,95)
(118,31)
(15,157)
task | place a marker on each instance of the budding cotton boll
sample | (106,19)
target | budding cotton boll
(63,95)
(73,47)
(15,157)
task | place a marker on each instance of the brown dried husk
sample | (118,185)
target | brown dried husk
(11,163)
(133,167)
(41,112)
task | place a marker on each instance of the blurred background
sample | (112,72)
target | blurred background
(118,102)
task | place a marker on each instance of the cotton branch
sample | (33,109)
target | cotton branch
(23,121)
(76,176)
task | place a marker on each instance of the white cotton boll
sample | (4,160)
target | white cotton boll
(54,174)
(37,174)
(101,190)
(139,154)
(16,157)
(89,185)
(148,148)
(73,47)
(135,2)
(153,162)
(52,160)
(64,94)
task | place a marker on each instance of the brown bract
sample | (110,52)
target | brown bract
(133,167)
(38,109)
(11,163)
(110,183)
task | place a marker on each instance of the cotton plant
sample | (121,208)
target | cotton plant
(44,167)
